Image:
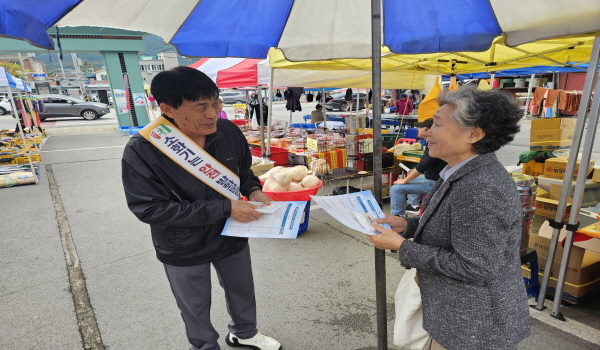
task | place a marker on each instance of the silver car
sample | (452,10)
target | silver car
(233,97)
(5,106)
(67,106)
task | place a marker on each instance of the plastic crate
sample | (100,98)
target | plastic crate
(302,125)
(388,140)
(278,155)
(414,154)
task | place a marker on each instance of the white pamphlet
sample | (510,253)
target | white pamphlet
(279,220)
(354,210)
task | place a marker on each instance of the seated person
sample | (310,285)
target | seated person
(418,181)
(317,115)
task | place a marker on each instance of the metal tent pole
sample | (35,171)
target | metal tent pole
(270,120)
(573,224)
(557,224)
(380,278)
(261,122)
(529,90)
(492,76)
(324,112)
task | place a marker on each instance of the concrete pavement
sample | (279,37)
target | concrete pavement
(315,292)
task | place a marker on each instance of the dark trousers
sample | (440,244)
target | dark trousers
(191,286)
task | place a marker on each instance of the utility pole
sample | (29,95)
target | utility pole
(77,72)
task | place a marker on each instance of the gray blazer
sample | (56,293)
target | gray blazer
(466,252)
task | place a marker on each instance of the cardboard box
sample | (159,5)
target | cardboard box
(591,245)
(260,169)
(591,192)
(541,243)
(553,123)
(543,135)
(596,174)
(556,167)
(550,145)
(533,168)
(385,189)
(589,270)
(572,293)
(546,203)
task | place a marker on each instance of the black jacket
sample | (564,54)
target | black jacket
(430,166)
(185,215)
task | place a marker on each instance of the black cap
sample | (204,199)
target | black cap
(427,123)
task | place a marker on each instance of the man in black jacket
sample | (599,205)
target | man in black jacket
(412,186)
(187,216)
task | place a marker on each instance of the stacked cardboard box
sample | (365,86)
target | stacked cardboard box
(551,134)
(583,270)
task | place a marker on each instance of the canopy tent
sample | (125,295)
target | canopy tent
(232,72)
(552,53)
(7,80)
(345,31)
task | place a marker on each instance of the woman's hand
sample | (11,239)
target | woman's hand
(397,224)
(388,239)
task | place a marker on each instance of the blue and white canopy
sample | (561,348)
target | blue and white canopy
(309,29)
(7,80)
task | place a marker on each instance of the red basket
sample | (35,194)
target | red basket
(302,195)
(240,122)
(278,155)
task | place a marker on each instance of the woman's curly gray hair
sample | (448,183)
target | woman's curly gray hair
(494,111)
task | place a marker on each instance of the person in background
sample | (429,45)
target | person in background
(465,246)
(418,181)
(404,105)
(187,215)
(254,106)
(317,115)
(221,114)
(152,102)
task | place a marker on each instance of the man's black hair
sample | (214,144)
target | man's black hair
(182,83)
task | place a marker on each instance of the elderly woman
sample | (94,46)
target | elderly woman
(465,245)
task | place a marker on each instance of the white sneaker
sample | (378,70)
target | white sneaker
(258,342)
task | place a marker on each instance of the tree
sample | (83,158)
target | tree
(87,68)
(13,69)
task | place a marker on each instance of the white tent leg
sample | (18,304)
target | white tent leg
(529,90)
(16,114)
(557,223)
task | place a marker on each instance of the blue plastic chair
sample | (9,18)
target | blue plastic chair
(411,133)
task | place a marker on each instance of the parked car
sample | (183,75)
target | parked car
(338,101)
(67,106)
(233,97)
(5,107)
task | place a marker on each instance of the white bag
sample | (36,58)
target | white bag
(408,327)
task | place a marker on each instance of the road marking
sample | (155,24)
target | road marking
(80,149)
(570,326)
(84,311)
(314,207)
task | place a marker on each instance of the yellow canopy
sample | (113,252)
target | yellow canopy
(555,52)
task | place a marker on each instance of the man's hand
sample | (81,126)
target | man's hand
(243,211)
(259,196)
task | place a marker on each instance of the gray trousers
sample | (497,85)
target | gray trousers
(191,286)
